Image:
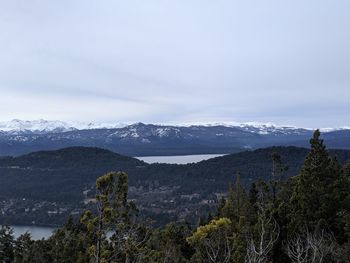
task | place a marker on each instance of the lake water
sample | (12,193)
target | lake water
(38,232)
(180,159)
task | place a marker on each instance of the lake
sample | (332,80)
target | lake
(37,232)
(180,159)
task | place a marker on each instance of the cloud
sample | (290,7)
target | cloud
(166,61)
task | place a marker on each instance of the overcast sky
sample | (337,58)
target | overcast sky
(286,62)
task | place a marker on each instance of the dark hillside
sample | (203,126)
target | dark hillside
(59,181)
(62,175)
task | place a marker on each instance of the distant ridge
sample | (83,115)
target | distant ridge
(48,126)
(139,139)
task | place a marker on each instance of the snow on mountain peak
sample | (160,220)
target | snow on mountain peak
(41,125)
(45,126)
(17,126)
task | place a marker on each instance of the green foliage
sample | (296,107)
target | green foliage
(113,213)
(65,173)
(276,221)
(236,203)
(212,242)
(23,246)
(319,190)
(169,244)
(239,241)
(6,244)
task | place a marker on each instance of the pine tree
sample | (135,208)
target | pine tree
(253,195)
(276,180)
(236,203)
(314,199)
(239,241)
(112,212)
(169,244)
(23,247)
(6,244)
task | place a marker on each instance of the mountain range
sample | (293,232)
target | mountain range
(20,137)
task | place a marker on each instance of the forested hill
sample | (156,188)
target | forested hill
(64,174)
(65,178)
(71,158)
(59,175)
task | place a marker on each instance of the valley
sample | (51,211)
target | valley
(44,188)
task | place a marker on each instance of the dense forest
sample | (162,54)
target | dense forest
(303,218)
(44,188)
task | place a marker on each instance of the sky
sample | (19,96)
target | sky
(176,61)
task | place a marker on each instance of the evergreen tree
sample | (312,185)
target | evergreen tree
(169,244)
(117,216)
(236,203)
(315,199)
(239,241)
(253,195)
(112,213)
(6,244)
(276,180)
(23,247)
(69,244)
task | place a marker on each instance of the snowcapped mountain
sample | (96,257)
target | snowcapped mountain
(19,137)
(41,126)
(36,126)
